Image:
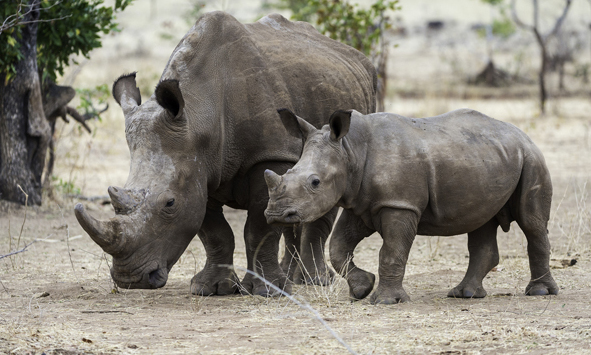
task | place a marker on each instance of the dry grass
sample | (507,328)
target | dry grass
(170,320)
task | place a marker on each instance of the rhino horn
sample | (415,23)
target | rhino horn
(122,200)
(101,232)
(272,179)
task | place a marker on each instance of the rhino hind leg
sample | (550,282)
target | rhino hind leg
(262,248)
(312,268)
(484,255)
(216,278)
(262,239)
(532,205)
(349,231)
(289,262)
(538,249)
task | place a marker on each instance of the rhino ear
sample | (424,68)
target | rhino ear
(126,93)
(339,123)
(296,126)
(169,96)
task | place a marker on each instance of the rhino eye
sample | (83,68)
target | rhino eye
(313,181)
(170,202)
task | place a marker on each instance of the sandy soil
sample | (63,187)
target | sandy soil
(57,297)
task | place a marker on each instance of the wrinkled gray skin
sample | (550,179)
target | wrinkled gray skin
(461,172)
(204,139)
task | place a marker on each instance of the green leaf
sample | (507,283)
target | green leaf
(11,41)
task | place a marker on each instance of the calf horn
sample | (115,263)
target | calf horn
(272,179)
(101,232)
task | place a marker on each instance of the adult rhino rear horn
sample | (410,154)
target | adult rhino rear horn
(124,201)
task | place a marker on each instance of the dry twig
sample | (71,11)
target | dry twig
(303,304)
(18,251)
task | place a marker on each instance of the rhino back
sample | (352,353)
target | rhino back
(235,76)
(456,170)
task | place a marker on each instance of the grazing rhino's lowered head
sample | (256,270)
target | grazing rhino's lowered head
(319,179)
(161,207)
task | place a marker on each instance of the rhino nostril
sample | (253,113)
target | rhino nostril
(158,278)
(153,276)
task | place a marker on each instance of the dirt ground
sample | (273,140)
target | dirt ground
(57,297)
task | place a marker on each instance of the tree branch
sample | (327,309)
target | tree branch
(560,20)
(15,21)
(536,14)
(78,117)
(516,18)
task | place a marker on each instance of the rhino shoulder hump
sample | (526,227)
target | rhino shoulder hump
(467,112)
(219,23)
(216,18)
(279,22)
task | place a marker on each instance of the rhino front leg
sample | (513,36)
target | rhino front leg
(262,239)
(484,255)
(349,231)
(218,241)
(313,268)
(398,229)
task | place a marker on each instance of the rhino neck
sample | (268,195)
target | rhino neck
(355,144)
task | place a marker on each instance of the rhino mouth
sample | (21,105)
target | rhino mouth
(155,278)
(289,216)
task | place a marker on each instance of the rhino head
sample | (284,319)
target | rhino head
(161,206)
(317,182)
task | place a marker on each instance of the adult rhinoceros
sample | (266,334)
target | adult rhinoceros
(204,140)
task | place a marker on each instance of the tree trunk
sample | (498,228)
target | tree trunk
(542,77)
(382,85)
(382,77)
(24,130)
(561,76)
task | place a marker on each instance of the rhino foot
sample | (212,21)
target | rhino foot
(385,295)
(360,283)
(542,288)
(467,291)
(256,287)
(208,284)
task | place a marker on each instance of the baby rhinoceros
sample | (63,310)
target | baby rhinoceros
(461,172)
